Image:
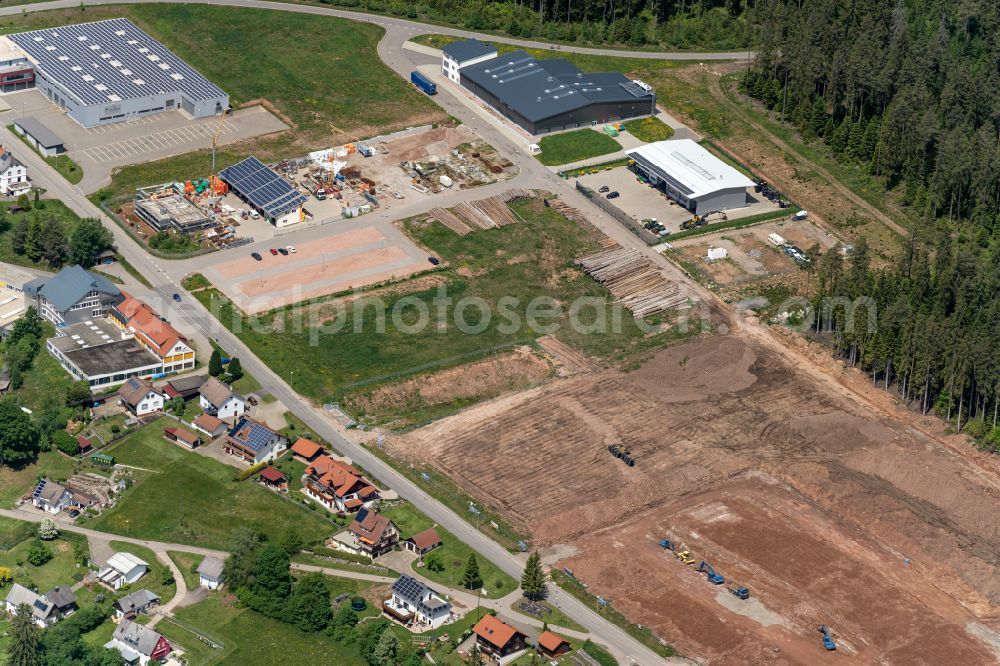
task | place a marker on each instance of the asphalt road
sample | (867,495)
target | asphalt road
(165,277)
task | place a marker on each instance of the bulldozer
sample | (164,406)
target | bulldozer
(684,555)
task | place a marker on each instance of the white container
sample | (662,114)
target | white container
(446,181)
(775,239)
(716,253)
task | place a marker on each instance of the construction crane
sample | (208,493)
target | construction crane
(713,578)
(739,592)
(827,641)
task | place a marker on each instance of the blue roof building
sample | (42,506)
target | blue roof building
(73,295)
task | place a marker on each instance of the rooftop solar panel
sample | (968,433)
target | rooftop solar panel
(97,47)
(265,189)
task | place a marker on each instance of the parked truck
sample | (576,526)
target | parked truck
(422,82)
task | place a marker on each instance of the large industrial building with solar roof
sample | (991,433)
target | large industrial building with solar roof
(546,95)
(106,72)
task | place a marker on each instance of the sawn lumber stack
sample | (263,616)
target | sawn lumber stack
(633,280)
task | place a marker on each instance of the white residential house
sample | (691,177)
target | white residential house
(413,603)
(13,175)
(122,569)
(139,644)
(210,572)
(461,54)
(51,497)
(44,612)
(220,400)
(140,397)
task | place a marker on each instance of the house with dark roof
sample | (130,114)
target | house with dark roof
(63,600)
(553,94)
(424,542)
(252,441)
(220,400)
(183,387)
(73,295)
(139,644)
(338,486)
(372,534)
(498,641)
(136,603)
(210,425)
(210,572)
(456,55)
(414,604)
(42,610)
(140,397)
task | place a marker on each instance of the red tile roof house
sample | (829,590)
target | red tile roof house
(338,486)
(498,641)
(139,397)
(552,645)
(182,436)
(306,450)
(374,534)
(424,542)
(210,425)
(272,478)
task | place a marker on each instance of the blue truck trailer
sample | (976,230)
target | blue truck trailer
(422,82)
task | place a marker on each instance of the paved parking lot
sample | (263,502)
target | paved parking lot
(158,140)
(642,201)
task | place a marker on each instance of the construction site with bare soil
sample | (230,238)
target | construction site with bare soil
(768,461)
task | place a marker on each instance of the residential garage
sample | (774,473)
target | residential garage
(691,176)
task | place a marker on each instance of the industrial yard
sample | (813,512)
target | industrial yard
(773,474)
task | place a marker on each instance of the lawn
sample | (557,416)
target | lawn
(249,637)
(574,146)
(13,532)
(453,553)
(66,167)
(526,261)
(17,482)
(554,616)
(649,129)
(187,563)
(189,498)
(154,578)
(62,569)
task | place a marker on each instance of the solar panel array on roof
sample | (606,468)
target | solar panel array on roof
(262,187)
(107,61)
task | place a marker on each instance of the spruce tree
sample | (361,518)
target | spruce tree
(471,578)
(235,369)
(533,578)
(215,364)
(23,649)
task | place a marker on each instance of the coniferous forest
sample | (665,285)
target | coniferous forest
(909,90)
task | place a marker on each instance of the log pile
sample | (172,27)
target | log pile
(566,210)
(450,220)
(633,280)
(517,193)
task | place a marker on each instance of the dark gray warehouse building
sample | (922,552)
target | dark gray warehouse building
(549,95)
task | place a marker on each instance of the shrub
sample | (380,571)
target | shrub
(250,471)
(65,442)
(39,553)
(115,429)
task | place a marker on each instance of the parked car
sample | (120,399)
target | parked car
(434,261)
(274,251)
(282,251)
(291,249)
(612,195)
(604,189)
(256,255)
(177,297)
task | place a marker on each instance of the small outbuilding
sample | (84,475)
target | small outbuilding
(424,542)
(40,136)
(271,478)
(210,572)
(306,450)
(182,436)
(552,646)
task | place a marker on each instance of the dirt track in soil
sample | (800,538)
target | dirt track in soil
(830,511)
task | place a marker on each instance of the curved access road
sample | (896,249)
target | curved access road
(393,23)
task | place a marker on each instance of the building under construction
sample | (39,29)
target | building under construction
(165,206)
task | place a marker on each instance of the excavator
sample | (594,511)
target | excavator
(827,641)
(713,578)
(666,545)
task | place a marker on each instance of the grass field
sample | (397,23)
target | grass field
(66,167)
(60,570)
(189,498)
(17,482)
(552,615)
(453,553)
(574,146)
(187,562)
(249,637)
(154,578)
(533,258)
(649,129)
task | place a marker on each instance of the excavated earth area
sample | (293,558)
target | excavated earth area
(830,513)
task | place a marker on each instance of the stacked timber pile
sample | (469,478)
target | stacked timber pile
(609,243)
(516,193)
(633,280)
(450,220)
(566,210)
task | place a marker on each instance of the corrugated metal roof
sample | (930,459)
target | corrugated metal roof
(67,287)
(684,163)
